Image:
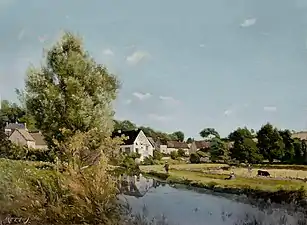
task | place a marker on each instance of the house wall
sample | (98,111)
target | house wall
(126,148)
(143,146)
(163,149)
(18,139)
(41,146)
(169,150)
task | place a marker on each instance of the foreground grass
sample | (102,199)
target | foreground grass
(37,191)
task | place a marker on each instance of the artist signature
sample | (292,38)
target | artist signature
(14,220)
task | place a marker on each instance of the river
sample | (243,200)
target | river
(184,206)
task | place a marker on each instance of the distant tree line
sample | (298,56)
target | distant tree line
(243,144)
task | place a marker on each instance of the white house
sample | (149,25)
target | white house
(136,142)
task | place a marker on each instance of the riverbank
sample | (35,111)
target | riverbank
(275,190)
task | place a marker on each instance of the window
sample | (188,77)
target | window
(127,150)
(137,150)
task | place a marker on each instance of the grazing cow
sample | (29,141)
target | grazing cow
(232,176)
(263,173)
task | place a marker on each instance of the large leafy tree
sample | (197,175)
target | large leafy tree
(11,112)
(209,132)
(190,140)
(70,93)
(270,143)
(289,152)
(244,147)
(218,150)
(124,125)
(178,135)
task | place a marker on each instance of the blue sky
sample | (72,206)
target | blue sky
(184,65)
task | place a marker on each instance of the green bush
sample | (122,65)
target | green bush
(181,153)
(174,155)
(16,152)
(148,161)
(201,154)
(194,158)
(157,155)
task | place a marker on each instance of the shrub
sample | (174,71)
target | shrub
(181,153)
(174,155)
(84,193)
(194,158)
(16,152)
(201,154)
(149,161)
(157,155)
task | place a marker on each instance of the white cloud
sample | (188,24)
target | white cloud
(108,52)
(168,99)
(157,117)
(228,112)
(137,57)
(202,45)
(142,96)
(270,108)
(249,22)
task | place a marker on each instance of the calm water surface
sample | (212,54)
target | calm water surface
(182,206)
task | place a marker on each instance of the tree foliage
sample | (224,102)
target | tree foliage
(270,143)
(244,147)
(190,140)
(178,135)
(289,152)
(217,150)
(70,93)
(208,132)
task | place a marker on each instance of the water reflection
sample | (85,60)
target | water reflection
(136,185)
(186,207)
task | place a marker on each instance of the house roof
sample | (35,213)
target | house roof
(162,141)
(300,135)
(151,140)
(26,135)
(13,126)
(39,138)
(202,144)
(130,134)
(177,144)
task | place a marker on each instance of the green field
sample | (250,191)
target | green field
(213,174)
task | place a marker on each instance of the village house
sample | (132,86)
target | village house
(10,127)
(135,142)
(152,142)
(161,146)
(199,145)
(302,135)
(176,145)
(25,138)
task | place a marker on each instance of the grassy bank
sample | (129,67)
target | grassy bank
(276,189)
(37,191)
